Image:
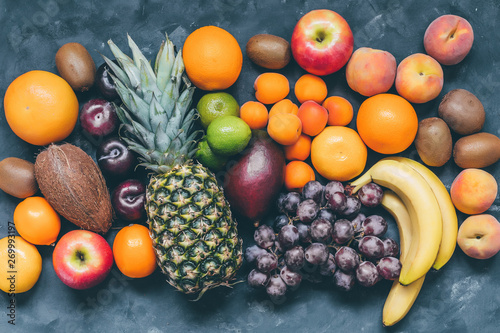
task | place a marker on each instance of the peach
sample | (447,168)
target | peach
(371,71)
(473,191)
(479,236)
(419,78)
(448,39)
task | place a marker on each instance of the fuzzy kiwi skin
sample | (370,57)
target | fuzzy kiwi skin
(477,150)
(433,141)
(462,111)
(269,51)
(17,177)
(74,186)
(76,66)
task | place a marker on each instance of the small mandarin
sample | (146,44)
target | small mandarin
(340,111)
(254,114)
(310,88)
(300,150)
(297,174)
(271,87)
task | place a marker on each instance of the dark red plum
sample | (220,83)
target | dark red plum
(114,158)
(98,117)
(128,200)
(105,83)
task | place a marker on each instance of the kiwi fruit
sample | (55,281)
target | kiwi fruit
(17,177)
(76,66)
(269,51)
(462,111)
(433,141)
(477,150)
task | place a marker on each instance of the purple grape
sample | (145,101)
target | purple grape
(288,236)
(291,202)
(389,268)
(276,289)
(316,253)
(279,222)
(337,202)
(328,268)
(370,195)
(326,214)
(321,230)
(294,258)
(353,206)
(307,210)
(344,281)
(391,248)
(357,222)
(278,246)
(304,232)
(257,279)
(333,187)
(267,262)
(291,278)
(343,231)
(311,273)
(313,190)
(371,247)
(264,236)
(367,274)
(374,225)
(252,252)
(347,259)
(281,202)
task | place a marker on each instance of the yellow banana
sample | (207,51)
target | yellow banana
(448,212)
(400,298)
(424,211)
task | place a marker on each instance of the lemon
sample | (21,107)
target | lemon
(228,135)
(215,105)
(208,158)
(20,265)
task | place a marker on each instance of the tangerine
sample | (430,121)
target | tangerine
(212,58)
(271,87)
(387,123)
(297,174)
(284,128)
(300,150)
(340,111)
(338,153)
(254,114)
(36,221)
(41,107)
(284,106)
(310,88)
(133,251)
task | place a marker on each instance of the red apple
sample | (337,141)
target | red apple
(82,259)
(322,42)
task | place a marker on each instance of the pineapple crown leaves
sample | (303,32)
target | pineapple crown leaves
(155,114)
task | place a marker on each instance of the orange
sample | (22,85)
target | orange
(339,109)
(36,221)
(297,174)
(387,123)
(300,150)
(310,88)
(20,265)
(271,87)
(133,251)
(338,153)
(254,114)
(313,117)
(284,106)
(284,128)
(41,107)
(212,58)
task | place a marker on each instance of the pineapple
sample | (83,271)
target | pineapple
(194,235)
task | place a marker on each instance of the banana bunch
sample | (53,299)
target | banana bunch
(427,224)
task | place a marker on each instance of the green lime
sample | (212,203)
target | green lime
(228,135)
(215,105)
(208,158)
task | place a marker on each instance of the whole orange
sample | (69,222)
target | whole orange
(212,58)
(41,107)
(133,251)
(387,123)
(338,153)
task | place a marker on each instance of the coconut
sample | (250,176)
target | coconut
(74,186)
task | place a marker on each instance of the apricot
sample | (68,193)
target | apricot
(479,236)
(473,191)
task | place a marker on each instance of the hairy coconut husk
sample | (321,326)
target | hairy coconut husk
(74,186)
